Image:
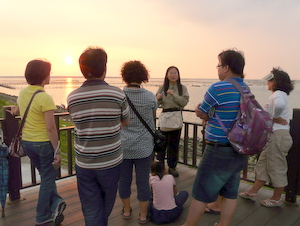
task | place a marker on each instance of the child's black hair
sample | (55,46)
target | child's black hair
(158,168)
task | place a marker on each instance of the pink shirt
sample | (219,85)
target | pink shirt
(163,193)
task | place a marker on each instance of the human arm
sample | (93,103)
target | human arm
(200,113)
(159,95)
(14,110)
(124,122)
(154,117)
(125,119)
(181,100)
(175,190)
(53,136)
(280,121)
(279,105)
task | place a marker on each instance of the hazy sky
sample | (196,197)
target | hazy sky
(186,33)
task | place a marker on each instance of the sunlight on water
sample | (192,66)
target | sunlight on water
(60,87)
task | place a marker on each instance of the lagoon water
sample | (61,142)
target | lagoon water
(61,86)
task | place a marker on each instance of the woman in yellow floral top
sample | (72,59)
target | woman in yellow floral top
(171,96)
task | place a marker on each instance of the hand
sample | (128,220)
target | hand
(171,92)
(57,161)
(280,121)
(14,110)
(197,111)
(200,113)
(159,96)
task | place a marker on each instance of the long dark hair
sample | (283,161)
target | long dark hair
(158,168)
(166,81)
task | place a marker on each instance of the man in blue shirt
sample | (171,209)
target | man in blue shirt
(219,169)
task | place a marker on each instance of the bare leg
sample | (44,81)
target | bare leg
(256,186)
(126,204)
(143,210)
(196,210)
(277,193)
(227,211)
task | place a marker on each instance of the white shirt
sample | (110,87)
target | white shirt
(278,106)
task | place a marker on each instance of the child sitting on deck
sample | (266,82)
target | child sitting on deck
(166,205)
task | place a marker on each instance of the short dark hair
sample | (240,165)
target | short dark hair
(166,81)
(92,62)
(157,168)
(235,61)
(282,81)
(36,71)
(134,71)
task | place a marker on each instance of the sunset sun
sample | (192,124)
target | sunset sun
(68,60)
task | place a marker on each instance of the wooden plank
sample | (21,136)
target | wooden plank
(248,213)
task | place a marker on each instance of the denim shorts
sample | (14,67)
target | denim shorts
(218,174)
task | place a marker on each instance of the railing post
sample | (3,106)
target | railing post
(293,160)
(10,127)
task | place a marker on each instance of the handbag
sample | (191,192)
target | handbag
(170,120)
(15,147)
(159,138)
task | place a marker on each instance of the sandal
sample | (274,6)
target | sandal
(126,217)
(143,221)
(247,195)
(210,210)
(271,202)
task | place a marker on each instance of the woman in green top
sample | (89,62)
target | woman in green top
(171,96)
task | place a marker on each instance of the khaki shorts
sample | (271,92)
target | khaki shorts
(272,165)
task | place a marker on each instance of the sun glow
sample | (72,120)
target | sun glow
(68,60)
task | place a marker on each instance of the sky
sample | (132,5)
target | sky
(188,34)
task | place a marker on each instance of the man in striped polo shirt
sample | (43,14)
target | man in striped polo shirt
(220,166)
(98,111)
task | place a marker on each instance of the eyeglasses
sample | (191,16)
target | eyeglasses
(219,65)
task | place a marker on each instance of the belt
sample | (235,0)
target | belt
(170,109)
(217,144)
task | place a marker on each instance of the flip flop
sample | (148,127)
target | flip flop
(144,221)
(210,210)
(126,217)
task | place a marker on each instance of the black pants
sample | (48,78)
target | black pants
(172,148)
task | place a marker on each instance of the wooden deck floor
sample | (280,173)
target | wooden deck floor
(248,213)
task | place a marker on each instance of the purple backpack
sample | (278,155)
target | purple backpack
(253,126)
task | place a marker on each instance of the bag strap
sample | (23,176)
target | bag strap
(241,90)
(26,112)
(139,116)
(237,85)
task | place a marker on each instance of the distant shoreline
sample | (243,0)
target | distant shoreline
(8,97)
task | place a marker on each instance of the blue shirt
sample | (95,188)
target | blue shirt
(224,98)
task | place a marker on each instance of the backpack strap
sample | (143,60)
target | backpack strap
(237,85)
(241,90)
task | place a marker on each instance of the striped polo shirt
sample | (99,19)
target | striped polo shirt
(224,98)
(97,110)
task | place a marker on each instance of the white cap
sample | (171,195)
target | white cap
(268,76)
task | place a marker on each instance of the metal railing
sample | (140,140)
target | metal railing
(191,149)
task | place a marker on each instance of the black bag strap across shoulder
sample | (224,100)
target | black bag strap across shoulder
(140,117)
